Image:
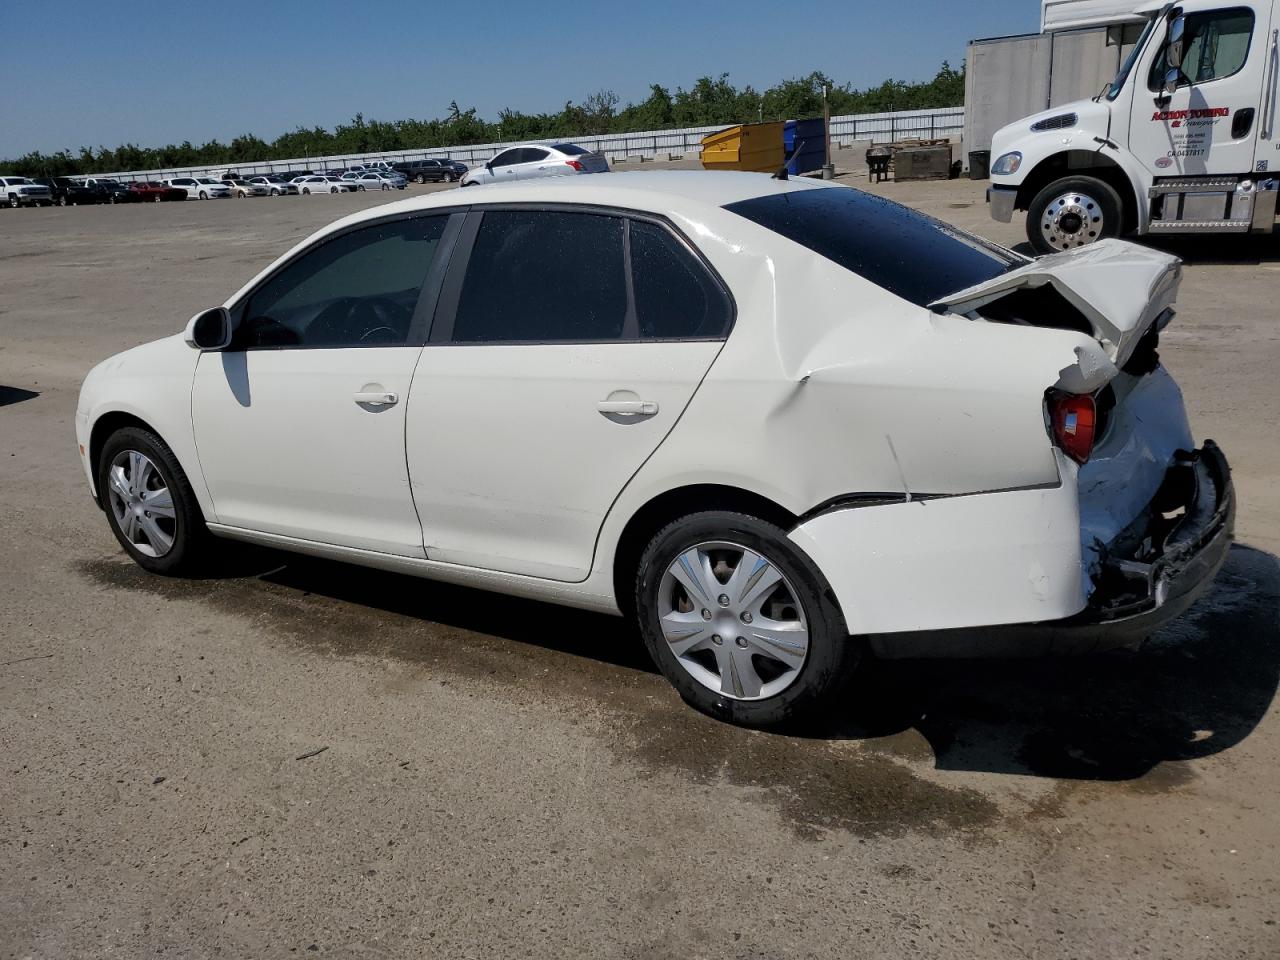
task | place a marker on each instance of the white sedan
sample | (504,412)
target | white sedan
(375,180)
(535,161)
(200,188)
(322,183)
(779,423)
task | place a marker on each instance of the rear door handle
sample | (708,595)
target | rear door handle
(628,408)
(375,398)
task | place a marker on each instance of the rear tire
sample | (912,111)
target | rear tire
(1073,212)
(769,645)
(189,538)
(421,178)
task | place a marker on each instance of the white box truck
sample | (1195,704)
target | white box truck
(1182,141)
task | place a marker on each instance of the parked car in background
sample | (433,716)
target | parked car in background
(246,188)
(154,191)
(374,180)
(986,452)
(200,188)
(537,160)
(72,193)
(277,185)
(23,192)
(431,170)
(324,184)
(376,166)
(113,190)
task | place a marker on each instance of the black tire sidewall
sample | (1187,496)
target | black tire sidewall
(190,531)
(832,654)
(1113,208)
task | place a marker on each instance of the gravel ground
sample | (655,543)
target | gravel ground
(503,778)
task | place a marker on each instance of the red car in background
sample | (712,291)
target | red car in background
(153,191)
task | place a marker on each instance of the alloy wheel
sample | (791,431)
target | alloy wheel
(733,621)
(141,503)
(1072,220)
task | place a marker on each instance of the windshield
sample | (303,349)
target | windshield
(912,255)
(1131,59)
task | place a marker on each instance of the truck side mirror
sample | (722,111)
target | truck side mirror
(1171,78)
(209,330)
(1173,44)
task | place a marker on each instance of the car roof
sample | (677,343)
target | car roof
(654,191)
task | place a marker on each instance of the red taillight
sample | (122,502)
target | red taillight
(574,163)
(1073,417)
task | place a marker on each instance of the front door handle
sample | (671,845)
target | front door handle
(628,408)
(376,398)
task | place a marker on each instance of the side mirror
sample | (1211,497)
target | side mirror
(489,165)
(1173,43)
(209,330)
(1171,78)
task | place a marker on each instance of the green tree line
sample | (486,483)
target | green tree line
(712,100)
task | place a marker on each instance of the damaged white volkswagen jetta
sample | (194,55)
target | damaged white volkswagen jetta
(778,423)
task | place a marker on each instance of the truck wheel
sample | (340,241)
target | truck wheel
(13,201)
(1072,212)
(421,178)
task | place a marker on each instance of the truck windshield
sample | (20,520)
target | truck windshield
(1131,59)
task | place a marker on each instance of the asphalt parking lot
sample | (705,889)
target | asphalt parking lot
(499,778)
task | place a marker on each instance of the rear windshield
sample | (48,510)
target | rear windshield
(912,255)
(571,149)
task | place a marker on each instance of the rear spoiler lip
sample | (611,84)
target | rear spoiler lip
(1119,287)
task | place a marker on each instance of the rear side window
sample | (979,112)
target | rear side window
(912,255)
(569,149)
(357,290)
(533,155)
(543,276)
(674,295)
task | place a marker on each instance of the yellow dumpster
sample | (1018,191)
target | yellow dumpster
(748,146)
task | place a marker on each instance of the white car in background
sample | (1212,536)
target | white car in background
(535,160)
(779,423)
(200,188)
(321,183)
(22,191)
(376,180)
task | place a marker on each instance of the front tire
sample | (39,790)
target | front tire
(203,195)
(421,178)
(306,191)
(149,503)
(741,621)
(1073,212)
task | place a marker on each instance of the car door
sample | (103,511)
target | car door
(300,424)
(503,166)
(550,376)
(1210,123)
(536,162)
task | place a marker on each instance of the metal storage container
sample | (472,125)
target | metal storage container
(810,136)
(748,146)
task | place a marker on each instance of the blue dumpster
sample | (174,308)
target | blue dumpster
(810,136)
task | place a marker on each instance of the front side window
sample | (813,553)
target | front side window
(542,276)
(1215,45)
(506,158)
(356,290)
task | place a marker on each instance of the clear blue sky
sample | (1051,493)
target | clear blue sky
(82,73)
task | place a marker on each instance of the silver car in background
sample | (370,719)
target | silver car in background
(534,160)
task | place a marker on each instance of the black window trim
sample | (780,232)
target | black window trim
(1184,80)
(419,324)
(441,331)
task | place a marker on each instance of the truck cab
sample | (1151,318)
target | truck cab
(1183,140)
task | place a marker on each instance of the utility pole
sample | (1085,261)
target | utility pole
(828,168)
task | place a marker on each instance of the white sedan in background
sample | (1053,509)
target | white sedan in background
(536,160)
(277,186)
(779,423)
(200,188)
(321,183)
(376,180)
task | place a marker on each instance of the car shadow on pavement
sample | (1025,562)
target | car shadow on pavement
(1199,687)
(10,395)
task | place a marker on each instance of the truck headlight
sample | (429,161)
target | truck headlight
(1007,163)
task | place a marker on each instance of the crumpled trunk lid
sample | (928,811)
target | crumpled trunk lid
(1120,288)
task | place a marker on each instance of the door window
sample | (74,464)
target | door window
(1215,45)
(544,276)
(506,158)
(674,295)
(356,290)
